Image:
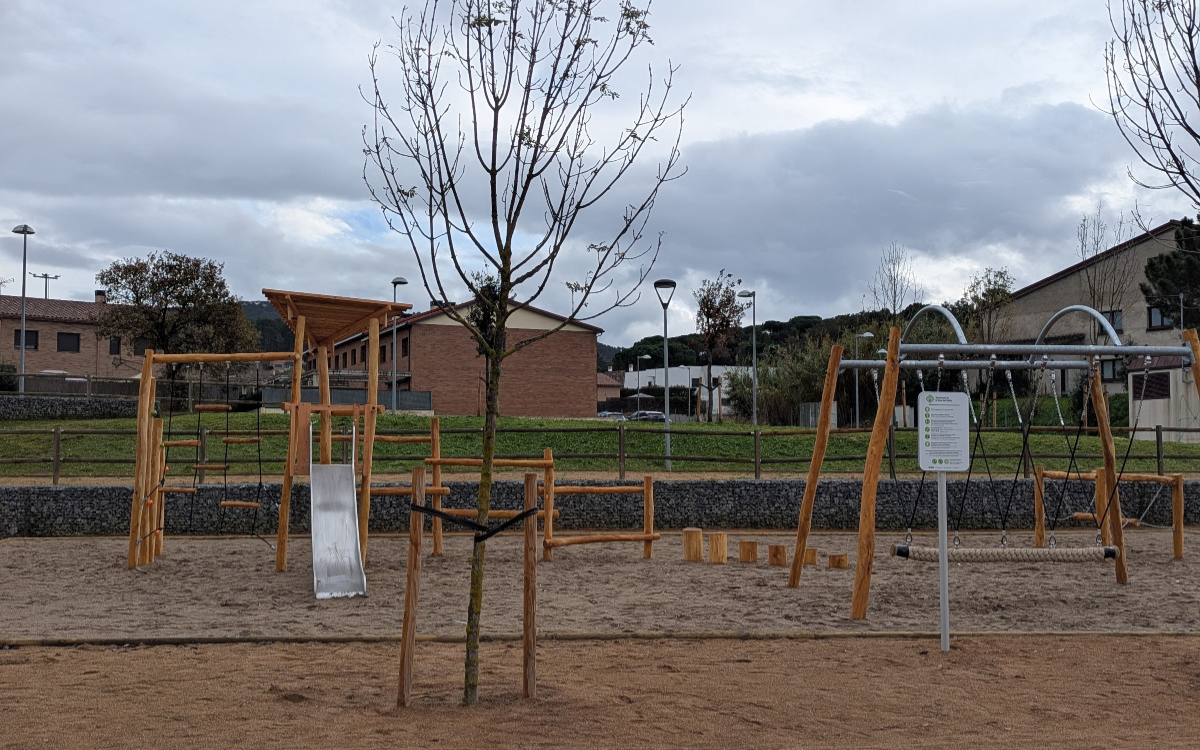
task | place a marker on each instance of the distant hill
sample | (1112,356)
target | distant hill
(604,356)
(274,334)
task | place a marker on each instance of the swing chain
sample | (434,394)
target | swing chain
(908,537)
(957,541)
(1052,540)
(1003,538)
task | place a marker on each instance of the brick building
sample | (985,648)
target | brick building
(555,377)
(61,336)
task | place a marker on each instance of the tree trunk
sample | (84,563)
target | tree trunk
(475,604)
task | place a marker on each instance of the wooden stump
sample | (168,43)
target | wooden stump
(839,561)
(693,544)
(718,547)
(810,556)
(777,554)
(747,551)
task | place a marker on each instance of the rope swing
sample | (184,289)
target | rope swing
(1008,554)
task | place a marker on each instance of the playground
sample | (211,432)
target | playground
(624,685)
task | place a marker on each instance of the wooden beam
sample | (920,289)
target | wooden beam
(355,327)
(435,450)
(141,455)
(185,359)
(368,447)
(1039,507)
(866,513)
(824,422)
(648,515)
(1115,525)
(1177,516)
(326,421)
(408,627)
(548,503)
(293,450)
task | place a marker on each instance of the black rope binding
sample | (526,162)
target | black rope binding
(482,533)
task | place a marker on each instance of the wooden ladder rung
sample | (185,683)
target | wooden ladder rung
(210,467)
(238,504)
(180,490)
(241,440)
(212,407)
(181,443)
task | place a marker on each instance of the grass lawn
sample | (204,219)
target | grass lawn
(107,455)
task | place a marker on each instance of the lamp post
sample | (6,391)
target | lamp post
(753,350)
(24,230)
(667,287)
(639,374)
(857,336)
(398,281)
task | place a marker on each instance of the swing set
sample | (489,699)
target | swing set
(964,356)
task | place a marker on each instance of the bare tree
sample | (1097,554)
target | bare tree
(894,285)
(1154,89)
(491,156)
(1107,277)
(718,318)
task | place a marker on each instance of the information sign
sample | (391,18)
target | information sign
(944,432)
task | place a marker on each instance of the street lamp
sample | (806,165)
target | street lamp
(857,336)
(398,281)
(667,287)
(25,230)
(753,349)
(639,376)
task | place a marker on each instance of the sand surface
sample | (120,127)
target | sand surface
(80,588)
(991,691)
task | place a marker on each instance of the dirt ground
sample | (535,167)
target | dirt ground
(79,588)
(1007,692)
(1079,690)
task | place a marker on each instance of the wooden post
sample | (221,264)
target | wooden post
(866,514)
(412,586)
(718,547)
(747,551)
(1115,521)
(693,544)
(621,452)
(324,396)
(141,455)
(435,450)
(648,515)
(758,454)
(57,454)
(548,504)
(824,420)
(160,498)
(1039,507)
(293,450)
(1101,503)
(777,554)
(368,448)
(529,622)
(1177,515)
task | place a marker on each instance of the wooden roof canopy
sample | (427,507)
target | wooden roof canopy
(329,319)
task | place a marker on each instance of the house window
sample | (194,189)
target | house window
(1158,385)
(68,342)
(353,358)
(31,339)
(1158,319)
(404,347)
(382,353)
(344,360)
(1112,370)
(1116,319)
(114,346)
(362,357)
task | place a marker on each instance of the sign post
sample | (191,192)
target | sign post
(943,445)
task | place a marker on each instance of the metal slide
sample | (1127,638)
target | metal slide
(337,564)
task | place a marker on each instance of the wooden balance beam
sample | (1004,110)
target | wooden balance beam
(648,536)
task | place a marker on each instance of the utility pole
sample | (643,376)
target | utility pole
(44,277)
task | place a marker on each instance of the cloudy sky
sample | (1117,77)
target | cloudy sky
(816,134)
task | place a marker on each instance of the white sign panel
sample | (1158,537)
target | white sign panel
(944,431)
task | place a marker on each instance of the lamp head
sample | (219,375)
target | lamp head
(644,356)
(399,280)
(865,335)
(667,287)
(746,293)
(23,229)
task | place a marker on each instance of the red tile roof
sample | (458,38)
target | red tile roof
(36,308)
(606,380)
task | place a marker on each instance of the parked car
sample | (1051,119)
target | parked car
(648,416)
(615,416)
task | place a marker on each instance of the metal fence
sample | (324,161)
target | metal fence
(743,449)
